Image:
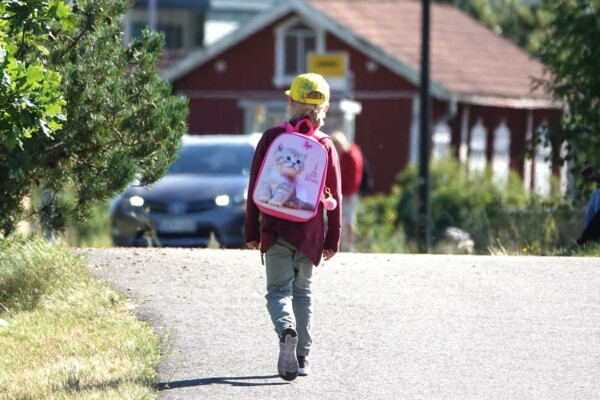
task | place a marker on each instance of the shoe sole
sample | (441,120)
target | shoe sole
(287,365)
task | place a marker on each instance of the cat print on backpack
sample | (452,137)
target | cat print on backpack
(279,186)
(292,177)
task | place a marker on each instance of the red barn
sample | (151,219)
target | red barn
(483,105)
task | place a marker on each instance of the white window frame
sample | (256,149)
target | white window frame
(542,163)
(441,139)
(272,106)
(281,79)
(463,149)
(528,164)
(501,155)
(339,116)
(478,149)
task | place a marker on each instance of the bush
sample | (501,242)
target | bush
(499,219)
(376,228)
(93,230)
(473,204)
(542,227)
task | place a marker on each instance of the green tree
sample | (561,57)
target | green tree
(124,123)
(570,51)
(31,101)
(523,24)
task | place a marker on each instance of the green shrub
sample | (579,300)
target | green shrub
(94,231)
(499,218)
(471,203)
(377,231)
(541,227)
(91,230)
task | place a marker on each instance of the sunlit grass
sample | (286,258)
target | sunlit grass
(68,335)
(590,250)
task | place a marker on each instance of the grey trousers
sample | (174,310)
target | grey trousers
(289,295)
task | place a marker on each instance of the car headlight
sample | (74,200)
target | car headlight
(222,200)
(136,201)
(225,200)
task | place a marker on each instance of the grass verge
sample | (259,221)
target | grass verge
(589,250)
(68,335)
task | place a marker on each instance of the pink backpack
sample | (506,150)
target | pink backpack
(292,175)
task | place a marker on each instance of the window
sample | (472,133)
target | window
(259,116)
(528,164)
(542,163)
(501,156)
(442,135)
(173,34)
(265,116)
(183,29)
(299,41)
(295,39)
(477,146)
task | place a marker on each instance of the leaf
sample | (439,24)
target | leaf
(55,126)
(42,49)
(53,109)
(68,23)
(63,10)
(35,74)
(11,141)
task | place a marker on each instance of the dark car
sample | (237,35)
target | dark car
(201,199)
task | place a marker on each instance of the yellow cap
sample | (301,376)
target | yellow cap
(305,84)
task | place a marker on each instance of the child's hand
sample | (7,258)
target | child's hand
(327,254)
(253,245)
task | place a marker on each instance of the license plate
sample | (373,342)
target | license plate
(176,226)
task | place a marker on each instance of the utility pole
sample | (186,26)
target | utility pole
(152,5)
(424,225)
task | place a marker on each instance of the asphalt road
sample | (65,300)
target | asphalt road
(386,326)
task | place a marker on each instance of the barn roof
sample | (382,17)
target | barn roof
(468,61)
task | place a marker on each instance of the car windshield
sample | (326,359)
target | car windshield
(214,159)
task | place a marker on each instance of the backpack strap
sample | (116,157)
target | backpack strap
(320,135)
(316,133)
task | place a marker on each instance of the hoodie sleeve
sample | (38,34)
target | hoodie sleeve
(252,223)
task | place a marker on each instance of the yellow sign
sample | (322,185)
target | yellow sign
(328,65)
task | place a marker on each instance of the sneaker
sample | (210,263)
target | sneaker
(288,363)
(303,368)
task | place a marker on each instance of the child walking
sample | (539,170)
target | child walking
(291,249)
